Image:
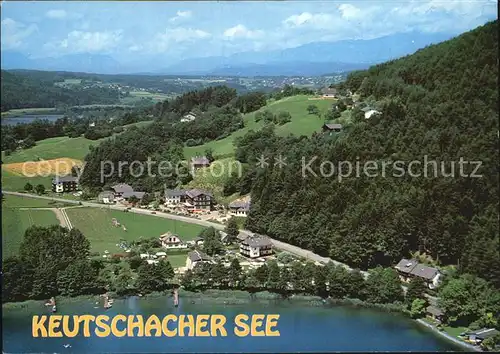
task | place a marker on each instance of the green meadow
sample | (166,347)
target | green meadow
(97,225)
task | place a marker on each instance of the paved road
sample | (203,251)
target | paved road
(278,244)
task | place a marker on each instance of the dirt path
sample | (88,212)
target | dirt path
(60,215)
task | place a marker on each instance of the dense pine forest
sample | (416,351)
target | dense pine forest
(441,102)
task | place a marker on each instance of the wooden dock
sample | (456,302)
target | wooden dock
(176,297)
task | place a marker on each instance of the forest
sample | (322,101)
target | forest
(21,91)
(441,102)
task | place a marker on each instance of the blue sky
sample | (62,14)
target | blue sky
(132,30)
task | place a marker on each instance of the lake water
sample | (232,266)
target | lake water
(28,118)
(302,328)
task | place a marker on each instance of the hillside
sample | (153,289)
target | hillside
(441,104)
(30,91)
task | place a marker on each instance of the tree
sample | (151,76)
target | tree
(232,230)
(383,286)
(40,189)
(273,277)
(417,308)
(416,290)
(133,200)
(211,241)
(17,278)
(234,272)
(283,117)
(313,109)
(209,154)
(491,343)
(28,187)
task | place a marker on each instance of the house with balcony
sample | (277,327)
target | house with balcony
(256,246)
(410,268)
(64,184)
(239,208)
(171,241)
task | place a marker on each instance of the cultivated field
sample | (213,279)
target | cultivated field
(23,111)
(15,221)
(97,225)
(302,124)
(52,167)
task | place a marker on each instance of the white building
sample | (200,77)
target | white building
(196,257)
(171,241)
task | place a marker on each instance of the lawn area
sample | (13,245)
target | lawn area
(14,201)
(302,124)
(454,331)
(96,225)
(177,259)
(16,221)
(53,148)
(15,183)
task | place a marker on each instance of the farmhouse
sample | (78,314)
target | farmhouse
(199,162)
(64,184)
(106,197)
(171,241)
(434,311)
(196,257)
(124,191)
(239,208)
(174,196)
(256,246)
(329,92)
(331,127)
(198,199)
(408,269)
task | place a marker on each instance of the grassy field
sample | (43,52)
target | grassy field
(15,221)
(140,95)
(15,183)
(177,259)
(23,111)
(302,124)
(96,225)
(53,148)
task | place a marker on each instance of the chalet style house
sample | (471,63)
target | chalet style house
(409,268)
(196,257)
(239,208)
(329,92)
(199,162)
(64,184)
(124,191)
(331,128)
(192,199)
(256,246)
(171,241)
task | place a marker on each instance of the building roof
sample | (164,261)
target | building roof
(193,193)
(106,194)
(122,188)
(196,256)
(329,91)
(200,160)
(484,333)
(332,126)
(175,192)
(258,241)
(168,234)
(406,265)
(241,236)
(62,179)
(240,204)
(424,271)
(433,310)
(138,195)
(368,108)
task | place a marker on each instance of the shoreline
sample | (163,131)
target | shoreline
(448,337)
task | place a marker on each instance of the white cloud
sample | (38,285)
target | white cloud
(240,31)
(181,15)
(56,14)
(84,42)
(349,11)
(13,33)
(319,20)
(135,48)
(164,41)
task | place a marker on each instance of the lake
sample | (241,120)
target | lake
(28,118)
(302,327)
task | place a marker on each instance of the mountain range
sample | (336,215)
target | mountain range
(310,59)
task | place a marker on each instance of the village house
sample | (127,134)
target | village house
(239,208)
(196,257)
(434,311)
(62,184)
(106,197)
(198,199)
(331,127)
(408,269)
(124,191)
(174,196)
(369,111)
(199,162)
(188,117)
(329,92)
(477,337)
(171,241)
(256,246)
